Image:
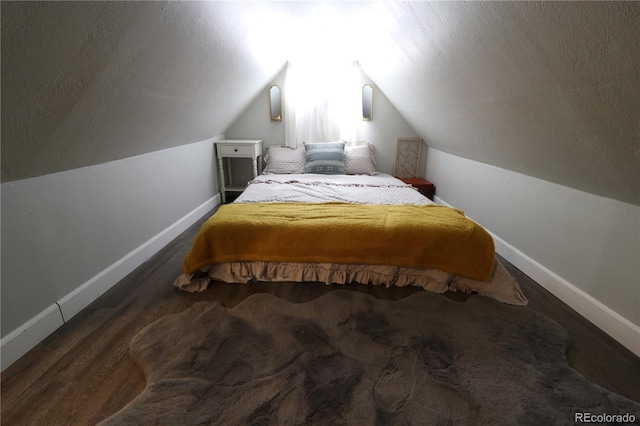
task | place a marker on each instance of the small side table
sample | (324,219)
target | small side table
(425,187)
(236,148)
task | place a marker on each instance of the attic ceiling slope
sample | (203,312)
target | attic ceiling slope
(84,83)
(547,89)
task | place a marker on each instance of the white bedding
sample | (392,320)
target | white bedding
(316,188)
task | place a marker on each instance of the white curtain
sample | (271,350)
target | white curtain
(323,103)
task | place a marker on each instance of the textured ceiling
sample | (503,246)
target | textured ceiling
(547,89)
(84,83)
(551,90)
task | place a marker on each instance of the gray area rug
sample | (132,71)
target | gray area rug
(348,358)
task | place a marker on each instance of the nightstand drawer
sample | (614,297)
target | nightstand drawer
(232,150)
(229,149)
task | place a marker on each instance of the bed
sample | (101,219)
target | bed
(365,227)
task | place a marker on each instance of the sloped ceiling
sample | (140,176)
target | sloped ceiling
(551,90)
(547,89)
(84,83)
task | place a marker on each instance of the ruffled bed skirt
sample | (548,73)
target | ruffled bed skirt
(502,286)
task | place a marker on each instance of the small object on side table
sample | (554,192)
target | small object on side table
(425,187)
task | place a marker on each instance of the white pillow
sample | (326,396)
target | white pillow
(360,160)
(284,160)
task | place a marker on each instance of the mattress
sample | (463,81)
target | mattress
(353,189)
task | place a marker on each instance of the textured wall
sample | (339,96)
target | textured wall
(548,89)
(84,83)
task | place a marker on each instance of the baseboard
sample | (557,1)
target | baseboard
(615,325)
(25,337)
(81,297)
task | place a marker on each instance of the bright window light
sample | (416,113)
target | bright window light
(322,48)
(328,33)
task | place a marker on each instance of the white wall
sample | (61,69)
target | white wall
(387,125)
(69,236)
(589,242)
(382,131)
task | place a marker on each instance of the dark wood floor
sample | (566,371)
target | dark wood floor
(82,373)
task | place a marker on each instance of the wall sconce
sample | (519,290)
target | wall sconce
(275,103)
(367,102)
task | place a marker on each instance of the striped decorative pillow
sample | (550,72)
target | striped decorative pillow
(325,158)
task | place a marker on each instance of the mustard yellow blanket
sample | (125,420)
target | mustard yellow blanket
(426,237)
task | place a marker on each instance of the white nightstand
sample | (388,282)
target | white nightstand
(236,148)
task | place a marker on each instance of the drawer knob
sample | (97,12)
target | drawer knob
(236,149)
